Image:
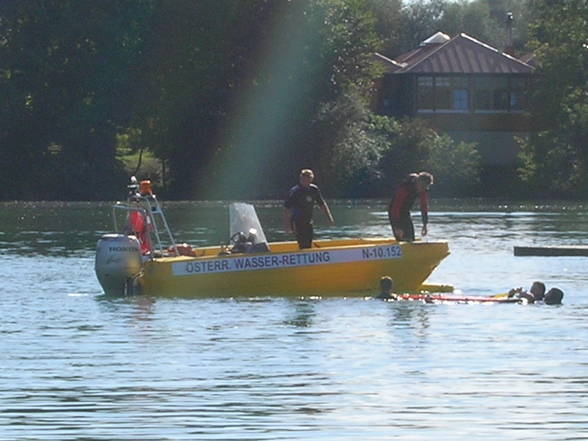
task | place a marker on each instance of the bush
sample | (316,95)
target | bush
(363,155)
(411,146)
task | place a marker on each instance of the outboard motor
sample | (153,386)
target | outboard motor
(118,263)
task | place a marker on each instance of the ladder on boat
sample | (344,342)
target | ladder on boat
(159,223)
(152,211)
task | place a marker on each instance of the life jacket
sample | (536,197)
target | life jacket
(140,227)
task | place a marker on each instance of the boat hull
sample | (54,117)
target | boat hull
(331,268)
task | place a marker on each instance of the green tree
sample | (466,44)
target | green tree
(555,158)
(350,164)
(403,26)
(68,83)
(389,24)
(189,61)
(411,146)
(378,152)
(233,89)
(486,20)
(421,19)
(336,128)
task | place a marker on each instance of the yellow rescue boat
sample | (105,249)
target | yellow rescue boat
(330,268)
(249,265)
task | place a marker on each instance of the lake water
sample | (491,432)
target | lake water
(77,365)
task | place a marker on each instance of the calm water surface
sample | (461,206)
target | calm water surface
(77,365)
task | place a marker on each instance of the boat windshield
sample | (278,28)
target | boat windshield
(243,219)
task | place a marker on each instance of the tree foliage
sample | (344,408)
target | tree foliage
(403,26)
(555,158)
(411,146)
(378,152)
(67,85)
(234,103)
(231,96)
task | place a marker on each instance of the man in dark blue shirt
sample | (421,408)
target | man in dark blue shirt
(299,207)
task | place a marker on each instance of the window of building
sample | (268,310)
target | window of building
(451,94)
(425,94)
(461,94)
(443,94)
(518,99)
(461,99)
(491,94)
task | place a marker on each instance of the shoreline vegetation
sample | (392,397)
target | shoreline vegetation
(438,205)
(225,99)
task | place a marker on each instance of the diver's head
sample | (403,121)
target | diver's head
(553,296)
(538,290)
(386,284)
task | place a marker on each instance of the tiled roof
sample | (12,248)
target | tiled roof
(460,55)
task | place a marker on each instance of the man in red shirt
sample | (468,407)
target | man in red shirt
(416,184)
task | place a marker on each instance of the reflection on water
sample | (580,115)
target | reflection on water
(79,365)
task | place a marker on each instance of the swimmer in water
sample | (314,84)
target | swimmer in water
(386,288)
(553,297)
(537,294)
